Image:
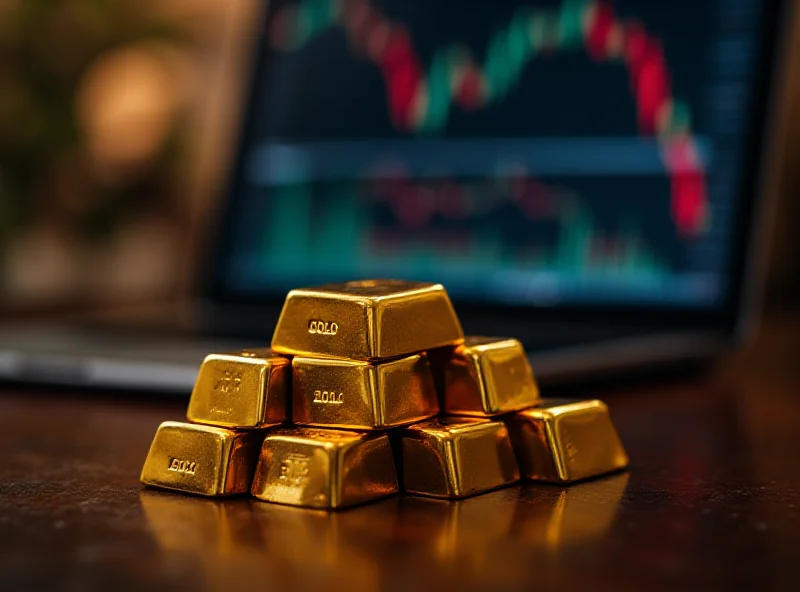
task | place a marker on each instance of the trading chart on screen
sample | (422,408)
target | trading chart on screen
(574,151)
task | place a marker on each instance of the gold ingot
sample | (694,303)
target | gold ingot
(455,457)
(324,468)
(241,390)
(362,395)
(562,441)
(489,376)
(201,459)
(366,320)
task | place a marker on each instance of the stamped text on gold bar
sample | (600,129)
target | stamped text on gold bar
(247,389)
(366,320)
(324,468)
(201,459)
(562,440)
(455,457)
(362,395)
(489,376)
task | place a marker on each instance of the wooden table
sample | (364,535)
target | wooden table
(712,499)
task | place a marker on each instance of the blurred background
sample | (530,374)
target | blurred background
(118,122)
(116,125)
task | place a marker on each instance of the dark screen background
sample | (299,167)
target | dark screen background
(549,192)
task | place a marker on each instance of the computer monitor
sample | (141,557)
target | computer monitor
(567,155)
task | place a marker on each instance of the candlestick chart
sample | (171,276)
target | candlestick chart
(439,227)
(420,99)
(568,142)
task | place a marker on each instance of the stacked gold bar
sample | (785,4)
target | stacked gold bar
(351,379)
(236,396)
(359,364)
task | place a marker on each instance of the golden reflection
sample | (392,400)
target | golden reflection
(216,543)
(472,533)
(560,517)
(488,539)
(314,549)
(244,543)
(183,523)
(462,531)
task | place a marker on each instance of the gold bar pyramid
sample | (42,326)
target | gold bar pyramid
(305,422)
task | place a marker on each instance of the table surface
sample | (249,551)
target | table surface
(712,499)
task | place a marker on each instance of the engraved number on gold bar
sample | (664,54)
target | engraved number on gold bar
(295,469)
(328,397)
(182,466)
(322,328)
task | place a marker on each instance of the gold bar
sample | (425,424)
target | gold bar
(562,441)
(366,320)
(455,457)
(201,459)
(324,468)
(362,395)
(241,390)
(489,376)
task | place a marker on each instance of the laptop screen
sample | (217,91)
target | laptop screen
(559,153)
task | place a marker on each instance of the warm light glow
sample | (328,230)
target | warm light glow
(125,106)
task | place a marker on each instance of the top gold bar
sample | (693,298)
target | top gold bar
(366,320)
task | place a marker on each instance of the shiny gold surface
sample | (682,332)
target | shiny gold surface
(362,395)
(562,440)
(201,459)
(246,389)
(324,468)
(366,320)
(489,376)
(455,457)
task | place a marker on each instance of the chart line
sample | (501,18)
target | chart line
(420,99)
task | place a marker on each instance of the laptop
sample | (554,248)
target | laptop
(589,177)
